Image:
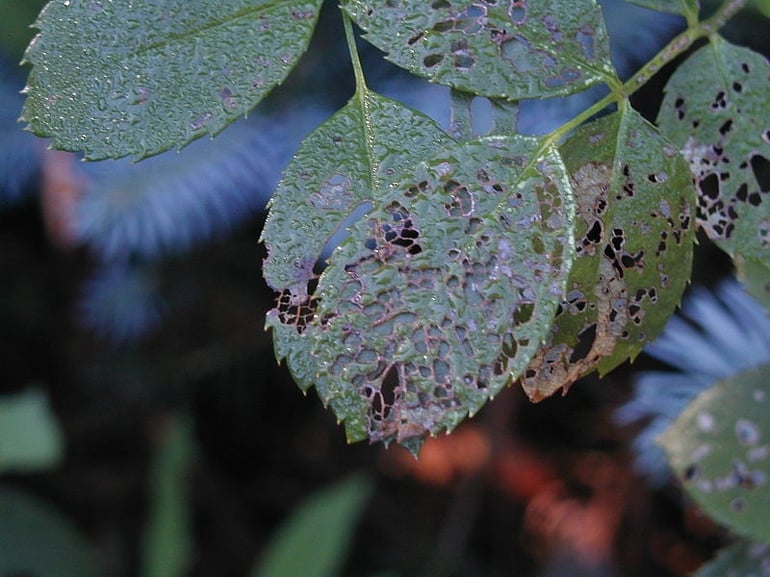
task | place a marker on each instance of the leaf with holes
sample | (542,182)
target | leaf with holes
(741,559)
(514,49)
(113,79)
(634,242)
(683,7)
(444,290)
(716,110)
(720,449)
(340,170)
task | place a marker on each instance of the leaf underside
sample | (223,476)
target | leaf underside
(511,50)
(720,448)
(716,110)
(114,79)
(634,241)
(442,292)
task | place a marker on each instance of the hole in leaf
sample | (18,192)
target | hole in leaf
(709,186)
(584,345)
(382,403)
(760,166)
(432,60)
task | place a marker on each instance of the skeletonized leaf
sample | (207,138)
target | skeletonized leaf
(683,7)
(510,50)
(741,559)
(113,79)
(634,242)
(720,448)
(343,167)
(444,290)
(716,111)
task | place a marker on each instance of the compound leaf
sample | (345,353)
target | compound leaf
(741,559)
(341,168)
(113,79)
(510,50)
(634,241)
(716,110)
(720,448)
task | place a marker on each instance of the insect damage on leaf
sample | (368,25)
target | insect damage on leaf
(634,246)
(723,130)
(511,49)
(443,292)
(339,171)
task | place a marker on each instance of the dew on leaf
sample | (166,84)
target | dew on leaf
(705,422)
(747,432)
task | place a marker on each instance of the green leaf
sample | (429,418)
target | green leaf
(684,7)
(741,559)
(339,171)
(444,290)
(315,540)
(716,110)
(36,540)
(720,448)
(30,438)
(168,540)
(500,49)
(755,277)
(634,240)
(113,79)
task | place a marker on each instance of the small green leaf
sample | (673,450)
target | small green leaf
(683,7)
(340,170)
(716,112)
(315,540)
(741,559)
(36,540)
(444,290)
(113,79)
(30,438)
(720,448)
(168,536)
(511,50)
(634,241)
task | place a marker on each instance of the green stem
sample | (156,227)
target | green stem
(358,71)
(673,49)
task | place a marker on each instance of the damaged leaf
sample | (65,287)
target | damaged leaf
(113,79)
(634,241)
(341,169)
(719,447)
(716,111)
(440,295)
(515,49)
(444,290)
